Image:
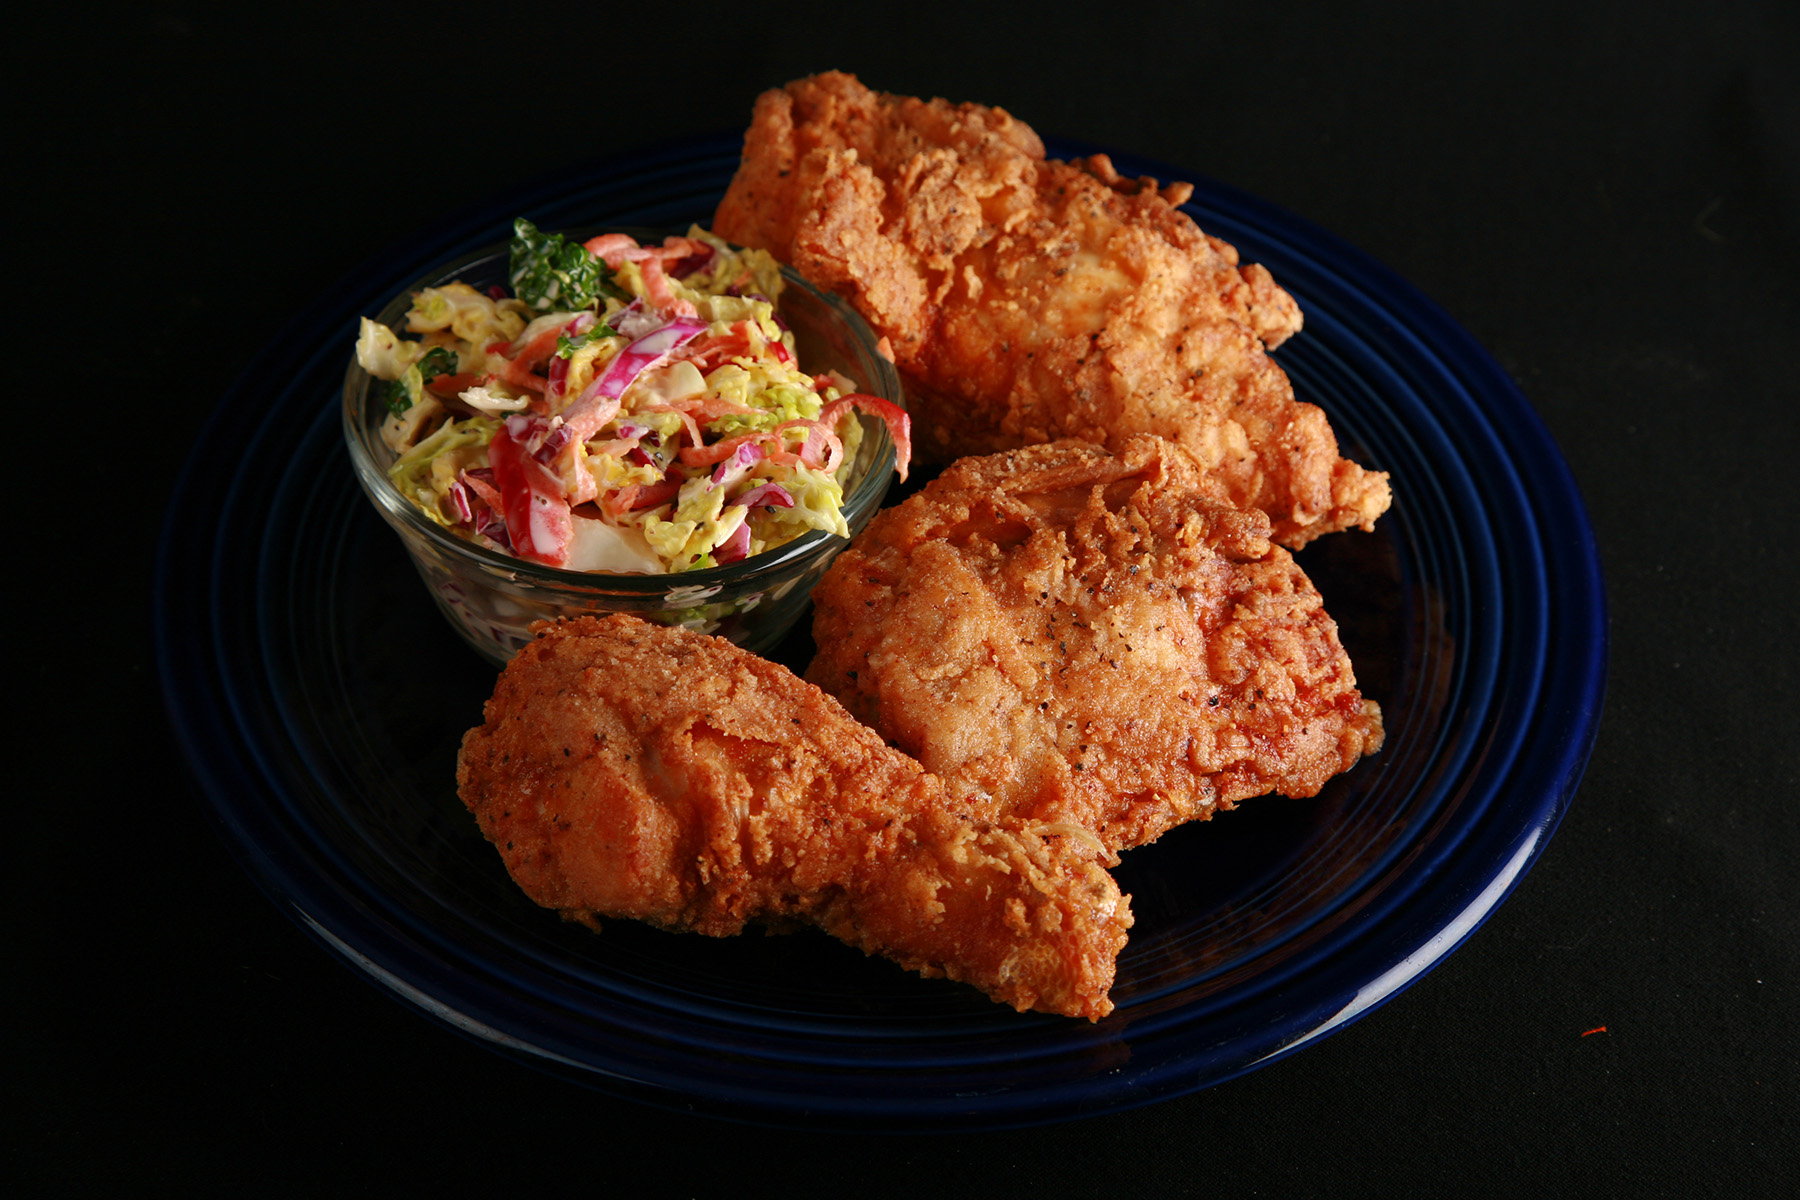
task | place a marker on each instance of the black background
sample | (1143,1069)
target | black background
(1606,194)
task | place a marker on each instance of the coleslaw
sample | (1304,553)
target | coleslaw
(626,408)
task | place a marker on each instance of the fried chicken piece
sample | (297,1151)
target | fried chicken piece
(635,770)
(1090,638)
(1028,299)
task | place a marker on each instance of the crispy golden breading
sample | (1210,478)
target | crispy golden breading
(1027,300)
(634,770)
(1091,638)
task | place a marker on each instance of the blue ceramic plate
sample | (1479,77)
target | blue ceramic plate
(321,699)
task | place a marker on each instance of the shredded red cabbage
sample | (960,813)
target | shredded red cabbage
(645,352)
(735,547)
(736,465)
(766,495)
(688,264)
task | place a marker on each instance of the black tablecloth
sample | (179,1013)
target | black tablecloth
(1607,196)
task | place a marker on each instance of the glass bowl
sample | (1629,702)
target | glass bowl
(492,598)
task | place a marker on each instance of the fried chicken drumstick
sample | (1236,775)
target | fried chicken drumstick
(1092,638)
(634,770)
(1028,299)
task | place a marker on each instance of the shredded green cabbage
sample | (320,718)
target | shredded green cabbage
(455,444)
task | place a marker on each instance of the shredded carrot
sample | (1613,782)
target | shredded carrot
(615,447)
(662,298)
(719,451)
(612,248)
(823,449)
(618,501)
(634,496)
(616,248)
(1597,1029)
(898,422)
(451,385)
(586,486)
(489,494)
(707,408)
(708,352)
(538,349)
(518,366)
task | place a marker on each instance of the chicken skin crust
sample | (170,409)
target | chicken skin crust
(634,770)
(1027,299)
(1090,638)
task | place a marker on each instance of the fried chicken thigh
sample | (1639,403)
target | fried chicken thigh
(1090,638)
(1028,299)
(634,770)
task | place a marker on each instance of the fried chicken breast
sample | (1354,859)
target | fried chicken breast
(626,769)
(1091,638)
(1028,299)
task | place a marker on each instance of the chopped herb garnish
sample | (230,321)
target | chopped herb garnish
(439,360)
(396,397)
(566,346)
(549,272)
(402,393)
